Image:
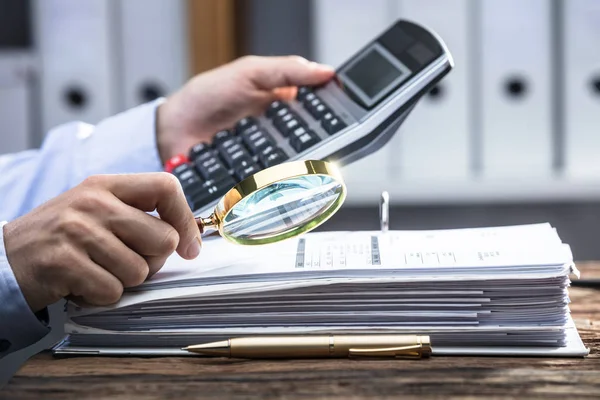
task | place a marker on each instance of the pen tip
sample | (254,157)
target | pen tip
(210,349)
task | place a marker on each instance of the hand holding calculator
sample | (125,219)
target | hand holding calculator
(342,121)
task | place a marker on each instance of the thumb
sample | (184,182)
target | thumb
(276,72)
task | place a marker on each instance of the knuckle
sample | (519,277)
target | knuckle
(95,180)
(73,225)
(170,241)
(112,294)
(170,183)
(92,201)
(297,59)
(138,272)
(249,59)
(58,262)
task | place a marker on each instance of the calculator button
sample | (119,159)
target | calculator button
(198,149)
(316,108)
(274,107)
(244,172)
(236,158)
(291,126)
(327,116)
(188,178)
(280,123)
(319,111)
(267,150)
(257,141)
(199,195)
(204,156)
(303,142)
(207,162)
(281,119)
(333,125)
(273,158)
(175,161)
(281,113)
(245,123)
(223,146)
(258,145)
(185,174)
(233,148)
(302,92)
(309,97)
(180,169)
(248,130)
(300,131)
(212,169)
(253,136)
(222,136)
(194,180)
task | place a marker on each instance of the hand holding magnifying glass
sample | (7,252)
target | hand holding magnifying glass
(277,203)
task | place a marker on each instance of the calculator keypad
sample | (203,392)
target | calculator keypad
(211,169)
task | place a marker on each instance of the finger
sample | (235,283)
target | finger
(274,72)
(145,234)
(161,192)
(92,283)
(286,93)
(110,253)
(155,263)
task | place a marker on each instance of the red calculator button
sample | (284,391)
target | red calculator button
(175,161)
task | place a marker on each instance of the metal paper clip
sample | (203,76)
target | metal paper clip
(384,211)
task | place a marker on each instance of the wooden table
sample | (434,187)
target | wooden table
(443,377)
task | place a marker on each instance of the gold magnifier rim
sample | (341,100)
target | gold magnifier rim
(269,176)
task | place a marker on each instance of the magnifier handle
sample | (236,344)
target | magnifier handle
(204,223)
(200,224)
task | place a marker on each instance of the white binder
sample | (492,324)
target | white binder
(515,50)
(154,48)
(76,43)
(341,28)
(434,141)
(581,21)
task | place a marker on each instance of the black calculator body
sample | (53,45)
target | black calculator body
(344,120)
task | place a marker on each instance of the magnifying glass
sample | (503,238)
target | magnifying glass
(277,203)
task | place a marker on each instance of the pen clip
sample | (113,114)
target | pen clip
(409,352)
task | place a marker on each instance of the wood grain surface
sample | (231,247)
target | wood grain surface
(44,377)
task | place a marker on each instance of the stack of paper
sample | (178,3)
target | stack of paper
(500,290)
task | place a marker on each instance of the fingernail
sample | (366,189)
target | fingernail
(194,249)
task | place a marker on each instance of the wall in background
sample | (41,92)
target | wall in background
(17,78)
(65,60)
(516,120)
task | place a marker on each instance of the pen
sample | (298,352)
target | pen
(318,346)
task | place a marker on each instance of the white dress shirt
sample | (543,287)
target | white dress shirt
(125,143)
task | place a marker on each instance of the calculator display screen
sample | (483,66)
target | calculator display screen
(374,74)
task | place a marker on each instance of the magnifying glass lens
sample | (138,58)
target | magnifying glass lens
(283,209)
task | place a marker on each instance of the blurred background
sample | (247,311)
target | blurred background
(511,136)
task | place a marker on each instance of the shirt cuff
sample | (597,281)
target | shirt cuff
(124,143)
(20,327)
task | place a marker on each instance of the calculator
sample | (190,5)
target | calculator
(351,116)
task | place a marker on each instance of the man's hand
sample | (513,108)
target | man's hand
(215,100)
(96,239)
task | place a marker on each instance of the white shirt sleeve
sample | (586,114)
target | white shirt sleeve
(125,143)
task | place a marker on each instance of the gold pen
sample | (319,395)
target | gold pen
(318,346)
